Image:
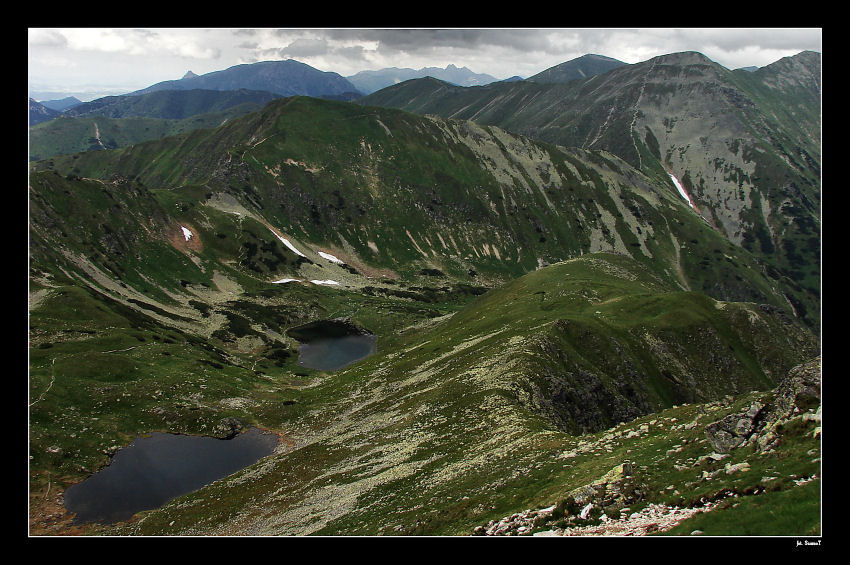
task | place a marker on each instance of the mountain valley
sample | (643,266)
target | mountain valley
(571,285)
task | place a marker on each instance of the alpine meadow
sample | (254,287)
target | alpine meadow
(584,303)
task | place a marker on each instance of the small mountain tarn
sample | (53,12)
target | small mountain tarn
(155,469)
(331,345)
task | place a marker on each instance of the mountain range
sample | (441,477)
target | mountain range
(575,284)
(749,163)
(61,104)
(368,82)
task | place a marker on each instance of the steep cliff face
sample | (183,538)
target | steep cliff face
(797,397)
(729,465)
(587,381)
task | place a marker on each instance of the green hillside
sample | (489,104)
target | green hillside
(745,146)
(457,421)
(542,315)
(393,193)
(119,121)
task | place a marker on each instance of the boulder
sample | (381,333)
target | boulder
(735,429)
(228,428)
(800,391)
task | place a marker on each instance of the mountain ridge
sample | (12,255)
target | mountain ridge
(285,78)
(740,143)
(337,190)
(118,121)
(171,104)
(62,104)
(578,68)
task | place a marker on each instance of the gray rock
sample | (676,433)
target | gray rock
(228,428)
(799,391)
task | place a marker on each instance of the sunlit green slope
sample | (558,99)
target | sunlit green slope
(465,418)
(521,294)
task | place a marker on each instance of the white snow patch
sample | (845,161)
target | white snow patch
(330,257)
(289,245)
(326,282)
(286,281)
(186,233)
(681,189)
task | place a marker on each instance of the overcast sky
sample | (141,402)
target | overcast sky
(101,61)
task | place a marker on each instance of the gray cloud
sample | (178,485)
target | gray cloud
(739,39)
(504,52)
(354,54)
(47,38)
(305,48)
(415,40)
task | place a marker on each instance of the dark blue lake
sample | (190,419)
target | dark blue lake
(330,345)
(152,470)
(334,353)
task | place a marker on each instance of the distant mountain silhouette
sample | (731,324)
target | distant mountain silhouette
(286,78)
(368,82)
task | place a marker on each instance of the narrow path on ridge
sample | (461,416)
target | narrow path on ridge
(97,136)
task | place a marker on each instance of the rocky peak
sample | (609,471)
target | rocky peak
(683,58)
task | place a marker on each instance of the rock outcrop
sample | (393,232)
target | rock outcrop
(797,396)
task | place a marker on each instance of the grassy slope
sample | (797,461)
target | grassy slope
(450,405)
(435,435)
(388,190)
(746,146)
(440,411)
